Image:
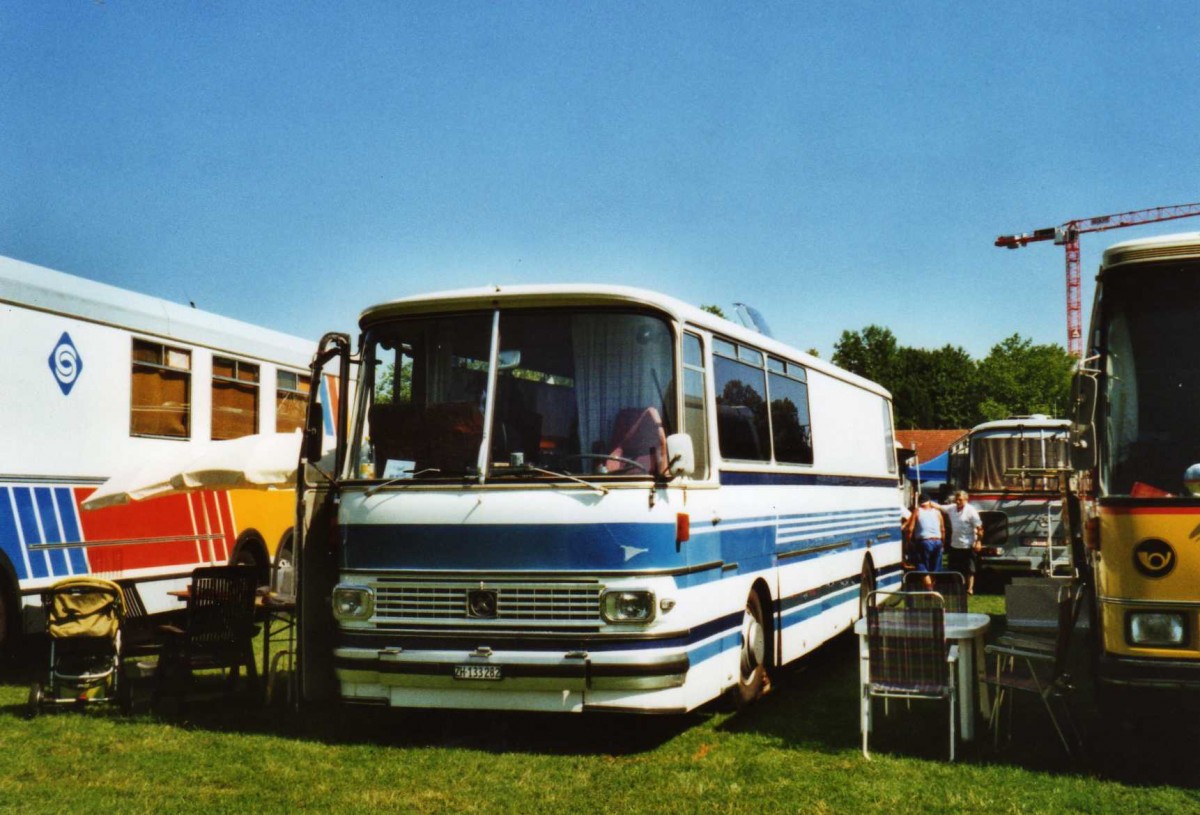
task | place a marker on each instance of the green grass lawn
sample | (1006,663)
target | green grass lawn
(797,751)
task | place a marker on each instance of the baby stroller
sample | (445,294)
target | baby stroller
(83,620)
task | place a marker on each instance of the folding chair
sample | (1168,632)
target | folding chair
(219,631)
(950,585)
(1027,663)
(908,655)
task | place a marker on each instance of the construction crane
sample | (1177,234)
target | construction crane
(1067,235)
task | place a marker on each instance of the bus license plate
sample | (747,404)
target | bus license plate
(489,672)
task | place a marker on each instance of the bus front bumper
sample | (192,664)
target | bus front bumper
(511,680)
(1169,674)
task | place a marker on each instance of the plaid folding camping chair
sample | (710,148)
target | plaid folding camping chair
(907,654)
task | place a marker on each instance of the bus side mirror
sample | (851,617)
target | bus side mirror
(1084,391)
(681,456)
(314,432)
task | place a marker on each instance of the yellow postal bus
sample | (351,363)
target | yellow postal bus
(1136,444)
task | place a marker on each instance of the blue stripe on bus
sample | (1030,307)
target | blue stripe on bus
(763,479)
(50,531)
(66,510)
(28,521)
(630,547)
(10,543)
(498,547)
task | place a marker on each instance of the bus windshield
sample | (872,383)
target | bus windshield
(1151,433)
(574,392)
(1012,463)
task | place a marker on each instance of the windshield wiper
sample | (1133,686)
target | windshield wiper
(408,477)
(529,468)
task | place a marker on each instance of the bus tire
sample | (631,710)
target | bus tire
(754,653)
(251,551)
(866,585)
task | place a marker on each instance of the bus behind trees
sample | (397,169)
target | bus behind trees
(1136,443)
(586,498)
(98,378)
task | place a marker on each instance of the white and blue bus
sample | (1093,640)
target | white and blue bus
(577,498)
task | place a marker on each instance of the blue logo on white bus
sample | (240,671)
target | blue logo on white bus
(65,363)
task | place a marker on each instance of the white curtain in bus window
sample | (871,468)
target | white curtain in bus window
(160,402)
(743,431)
(291,401)
(234,398)
(622,373)
(790,426)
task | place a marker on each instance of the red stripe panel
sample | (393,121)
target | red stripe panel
(160,517)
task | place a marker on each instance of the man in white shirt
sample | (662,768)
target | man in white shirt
(966,537)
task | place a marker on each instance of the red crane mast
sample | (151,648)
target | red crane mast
(1067,235)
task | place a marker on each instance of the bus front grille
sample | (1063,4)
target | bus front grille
(397,601)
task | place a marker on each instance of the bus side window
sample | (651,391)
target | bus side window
(743,430)
(789,413)
(161,391)
(695,420)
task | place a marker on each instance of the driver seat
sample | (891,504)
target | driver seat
(638,435)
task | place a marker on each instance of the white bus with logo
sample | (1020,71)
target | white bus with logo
(97,378)
(577,498)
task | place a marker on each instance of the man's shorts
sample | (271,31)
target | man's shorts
(927,555)
(962,561)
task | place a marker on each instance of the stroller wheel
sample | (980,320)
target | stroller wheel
(36,695)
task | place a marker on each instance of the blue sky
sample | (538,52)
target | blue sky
(835,165)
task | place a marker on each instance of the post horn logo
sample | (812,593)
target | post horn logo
(1154,558)
(65,363)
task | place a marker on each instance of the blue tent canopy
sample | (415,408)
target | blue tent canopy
(936,469)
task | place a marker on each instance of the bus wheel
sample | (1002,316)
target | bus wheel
(866,585)
(248,555)
(752,667)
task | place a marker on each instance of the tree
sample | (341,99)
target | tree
(946,388)
(714,310)
(872,353)
(1021,378)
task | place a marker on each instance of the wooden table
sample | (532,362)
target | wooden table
(968,630)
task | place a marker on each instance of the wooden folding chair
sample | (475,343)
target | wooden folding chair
(219,631)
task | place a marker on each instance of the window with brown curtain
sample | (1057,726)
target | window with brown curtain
(160,400)
(234,398)
(291,400)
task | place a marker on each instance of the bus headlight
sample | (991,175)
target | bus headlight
(1157,628)
(353,602)
(627,606)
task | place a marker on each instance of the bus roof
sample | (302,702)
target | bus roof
(1037,421)
(580,294)
(1164,247)
(35,287)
